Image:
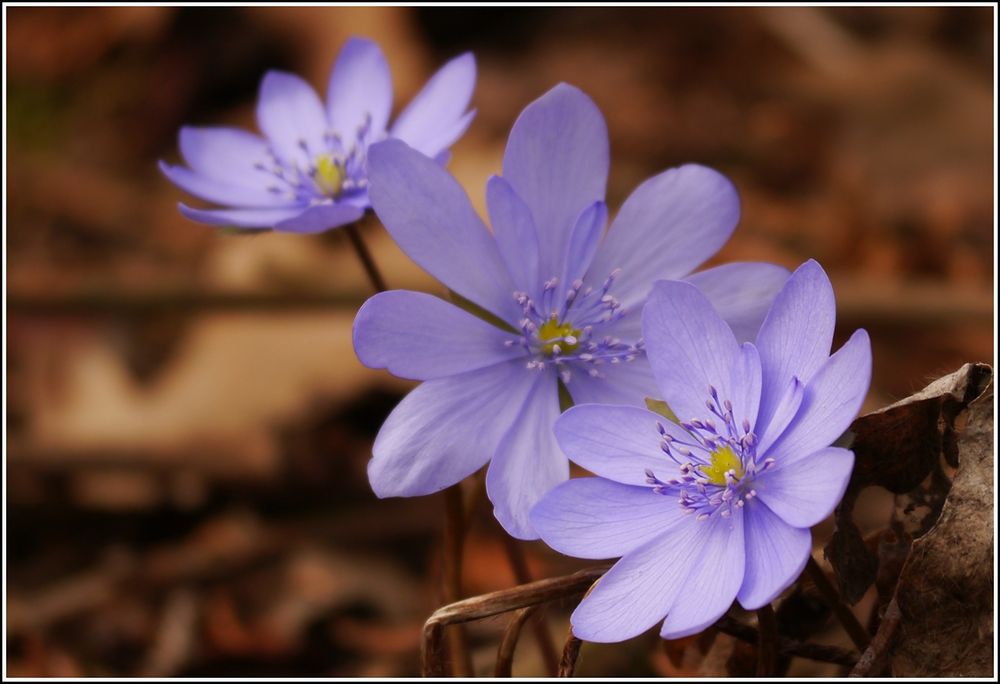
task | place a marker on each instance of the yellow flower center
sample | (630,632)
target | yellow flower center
(329,175)
(554,333)
(724,459)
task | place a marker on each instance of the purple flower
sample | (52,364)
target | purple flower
(566,302)
(718,506)
(309,172)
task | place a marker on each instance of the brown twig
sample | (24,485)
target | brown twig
(522,574)
(873,659)
(354,235)
(789,647)
(505,653)
(767,642)
(858,634)
(495,603)
(454,537)
(571,651)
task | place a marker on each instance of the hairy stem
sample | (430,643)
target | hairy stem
(519,564)
(767,642)
(454,537)
(858,634)
(365,256)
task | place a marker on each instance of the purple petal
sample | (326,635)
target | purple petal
(431,219)
(221,192)
(226,154)
(436,117)
(690,349)
(830,402)
(446,429)
(515,234)
(292,117)
(528,461)
(795,338)
(360,87)
(418,336)
(713,578)
(583,241)
(557,162)
(591,517)
(776,554)
(787,408)
(618,443)
(746,385)
(627,384)
(804,492)
(742,293)
(240,218)
(667,227)
(321,217)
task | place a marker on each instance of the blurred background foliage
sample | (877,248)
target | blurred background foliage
(187,426)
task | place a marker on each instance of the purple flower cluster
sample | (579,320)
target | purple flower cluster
(309,172)
(717,506)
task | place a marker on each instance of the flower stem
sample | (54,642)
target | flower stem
(858,634)
(365,256)
(571,651)
(522,574)
(767,641)
(454,536)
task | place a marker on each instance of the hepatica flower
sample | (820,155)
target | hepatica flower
(719,506)
(566,299)
(309,171)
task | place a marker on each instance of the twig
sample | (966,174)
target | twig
(495,603)
(767,643)
(519,564)
(858,634)
(366,258)
(873,659)
(505,653)
(571,651)
(789,647)
(454,537)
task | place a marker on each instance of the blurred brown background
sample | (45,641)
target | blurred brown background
(187,425)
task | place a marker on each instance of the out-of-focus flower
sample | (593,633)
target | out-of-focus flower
(718,506)
(309,171)
(565,302)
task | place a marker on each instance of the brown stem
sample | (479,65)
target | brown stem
(505,653)
(365,256)
(872,661)
(522,574)
(789,647)
(767,642)
(858,634)
(571,651)
(454,535)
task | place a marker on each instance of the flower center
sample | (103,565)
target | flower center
(330,176)
(722,461)
(558,338)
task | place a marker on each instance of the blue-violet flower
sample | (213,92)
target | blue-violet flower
(719,505)
(309,172)
(568,301)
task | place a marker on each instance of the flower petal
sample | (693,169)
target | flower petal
(321,217)
(240,218)
(746,387)
(618,443)
(430,217)
(804,492)
(436,117)
(591,517)
(557,162)
(292,117)
(795,338)
(786,410)
(226,154)
(776,554)
(528,461)
(446,429)
(583,241)
(690,349)
(418,336)
(221,192)
(515,234)
(626,384)
(667,227)
(713,578)
(830,402)
(360,86)
(742,293)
